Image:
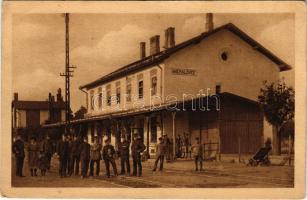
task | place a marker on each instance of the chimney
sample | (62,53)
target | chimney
(15,96)
(169,37)
(209,22)
(142,50)
(154,44)
(49,97)
(59,95)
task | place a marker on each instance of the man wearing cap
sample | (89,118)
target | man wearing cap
(62,151)
(160,150)
(123,148)
(75,155)
(85,149)
(197,150)
(95,157)
(108,157)
(137,148)
(18,150)
(47,148)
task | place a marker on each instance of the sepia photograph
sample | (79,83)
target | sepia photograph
(202,100)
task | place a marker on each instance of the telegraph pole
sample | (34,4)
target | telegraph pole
(67,74)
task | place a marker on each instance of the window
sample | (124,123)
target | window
(109,95)
(141,89)
(128,97)
(140,86)
(118,92)
(224,56)
(92,99)
(100,97)
(153,85)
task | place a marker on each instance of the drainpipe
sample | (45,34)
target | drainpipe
(86,94)
(161,84)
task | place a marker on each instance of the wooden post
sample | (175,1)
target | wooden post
(174,135)
(147,140)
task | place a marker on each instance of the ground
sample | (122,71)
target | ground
(175,174)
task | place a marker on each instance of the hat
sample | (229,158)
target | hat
(107,140)
(160,138)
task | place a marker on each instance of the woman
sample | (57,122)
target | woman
(33,150)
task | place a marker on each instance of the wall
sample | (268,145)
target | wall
(43,116)
(135,102)
(21,118)
(242,73)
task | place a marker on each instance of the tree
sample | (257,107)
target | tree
(79,114)
(277,102)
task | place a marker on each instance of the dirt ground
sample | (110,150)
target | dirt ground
(176,174)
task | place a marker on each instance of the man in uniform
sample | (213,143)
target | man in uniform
(69,163)
(95,157)
(47,149)
(18,150)
(85,157)
(62,151)
(108,157)
(123,148)
(197,150)
(75,155)
(137,148)
(160,150)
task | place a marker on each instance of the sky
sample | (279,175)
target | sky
(101,43)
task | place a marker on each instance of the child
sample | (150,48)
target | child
(42,163)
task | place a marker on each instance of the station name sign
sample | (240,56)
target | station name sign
(184,72)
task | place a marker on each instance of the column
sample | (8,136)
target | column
(174,134)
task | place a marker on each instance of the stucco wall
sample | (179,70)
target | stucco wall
(147,100)
(242,73)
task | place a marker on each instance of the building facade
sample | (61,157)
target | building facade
(32,115)
(157,94)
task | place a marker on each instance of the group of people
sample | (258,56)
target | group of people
(39,155)
(73,151)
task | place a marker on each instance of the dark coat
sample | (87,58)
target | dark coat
(47,147)
(137,147)
(18,149)
(62,149)
(108,152)
(33,150)
(75,149)
(85,150)
(123,149)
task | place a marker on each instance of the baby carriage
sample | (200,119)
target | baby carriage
(261,157)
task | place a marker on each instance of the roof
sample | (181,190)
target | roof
(186,105)
(37,105)
(159,57)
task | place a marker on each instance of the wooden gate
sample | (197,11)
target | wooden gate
(241,135)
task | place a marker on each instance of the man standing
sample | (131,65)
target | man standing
(197,150)
(62,151)
(95,157)
(108,157)
(75,155)
(123,148)
(167,146)
(70,144)
(85,157)
(47,149)
(137,148)
(18,150)
(160,149)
